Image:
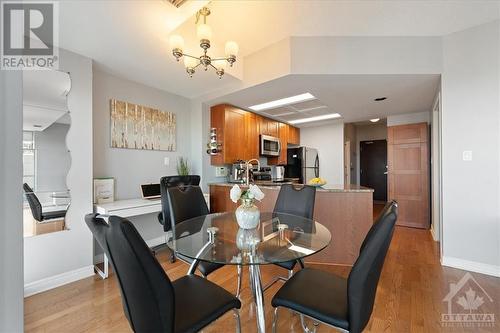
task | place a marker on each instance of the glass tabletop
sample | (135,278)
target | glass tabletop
(217,238)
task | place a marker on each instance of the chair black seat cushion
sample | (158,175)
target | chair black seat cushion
(199,303)
(53,215)
(203,266)
(316,294)
(289,265)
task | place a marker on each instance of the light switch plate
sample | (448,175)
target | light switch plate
(166,161)
(467,155)
(220,172)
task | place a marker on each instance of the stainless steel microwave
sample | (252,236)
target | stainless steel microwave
(269,146)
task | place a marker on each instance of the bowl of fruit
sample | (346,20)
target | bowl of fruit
(318,182)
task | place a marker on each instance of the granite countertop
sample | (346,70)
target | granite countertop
(325,188)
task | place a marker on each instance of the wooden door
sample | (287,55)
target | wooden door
(373,167)
(408,167)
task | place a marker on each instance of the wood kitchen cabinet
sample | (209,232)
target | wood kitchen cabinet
(269,127)
(252,125)
(293,135)
(231,124)
(238,134)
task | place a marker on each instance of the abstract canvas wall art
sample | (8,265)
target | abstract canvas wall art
(140,127)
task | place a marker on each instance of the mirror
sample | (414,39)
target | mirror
(46,159)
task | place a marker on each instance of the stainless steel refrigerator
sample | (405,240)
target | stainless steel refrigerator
(302,163)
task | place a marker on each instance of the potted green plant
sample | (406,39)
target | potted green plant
(182,166)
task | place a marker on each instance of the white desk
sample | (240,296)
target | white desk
(129,208)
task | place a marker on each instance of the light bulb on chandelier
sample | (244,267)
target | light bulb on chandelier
(204,34)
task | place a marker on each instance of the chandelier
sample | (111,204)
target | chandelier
(204,33)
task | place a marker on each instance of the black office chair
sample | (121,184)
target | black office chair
(36,207)
(297,201)
(335,301)
(151,302)
(186,203)
(164,215)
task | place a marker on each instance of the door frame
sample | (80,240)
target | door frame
(436,173)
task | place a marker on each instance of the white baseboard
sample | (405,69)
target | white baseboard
(472,266)
(57,280)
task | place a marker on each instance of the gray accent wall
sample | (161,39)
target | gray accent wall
(130,167)
(53,158)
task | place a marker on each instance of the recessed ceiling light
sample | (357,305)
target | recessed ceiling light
(374,120)
(37,126)
(307,120)
(379,99)
(283,101)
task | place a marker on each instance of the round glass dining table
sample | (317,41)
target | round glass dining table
(217,238)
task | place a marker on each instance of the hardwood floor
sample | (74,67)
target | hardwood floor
(409,297)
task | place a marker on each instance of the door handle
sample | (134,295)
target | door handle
(385,173)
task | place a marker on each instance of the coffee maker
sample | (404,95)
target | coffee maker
(238,172)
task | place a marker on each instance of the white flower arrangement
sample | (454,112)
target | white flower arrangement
(253,192)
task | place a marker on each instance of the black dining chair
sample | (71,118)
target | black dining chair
(164,215)
(345,304)
(298,201)
(36,207)
(151,301)
(186,203)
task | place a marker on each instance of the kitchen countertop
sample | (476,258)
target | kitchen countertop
(325,188)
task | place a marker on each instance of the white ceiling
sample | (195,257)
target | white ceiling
(44,99)
(352,96)
(130,38)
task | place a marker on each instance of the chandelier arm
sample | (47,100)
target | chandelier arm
(197,65)
(213,67)
(220,59)
(190,56)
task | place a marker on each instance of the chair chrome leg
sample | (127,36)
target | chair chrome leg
(236,313)
(275,320)
(304,326)
(240,277)
(290,273)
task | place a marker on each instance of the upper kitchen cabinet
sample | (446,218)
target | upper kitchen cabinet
(231,124)
(269,127)
(252,125)
(293,135)
(238,134)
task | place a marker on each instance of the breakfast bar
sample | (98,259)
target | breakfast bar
(345,210)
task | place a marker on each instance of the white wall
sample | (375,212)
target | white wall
(132,167)
(11,226)
(365,133)
(329,141)
(69,252)
(409,118)
(470,121)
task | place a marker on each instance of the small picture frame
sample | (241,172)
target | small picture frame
(104,190)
